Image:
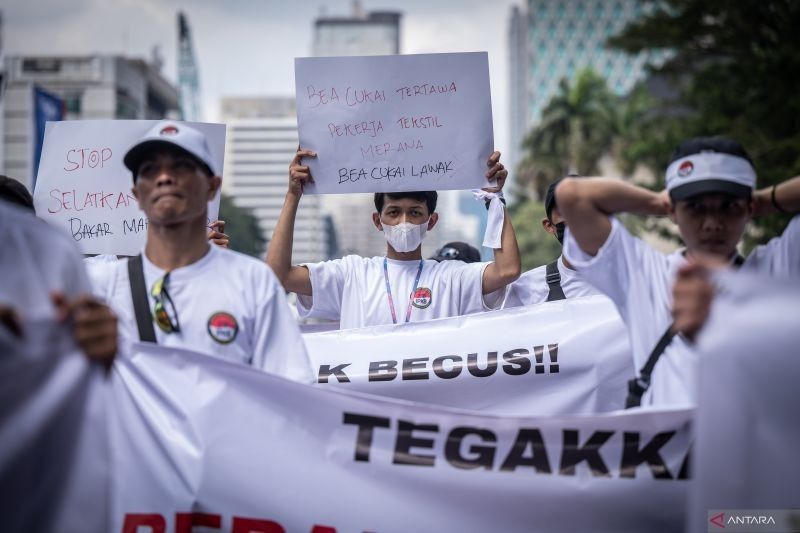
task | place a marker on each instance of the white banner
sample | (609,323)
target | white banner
(194,440)
(395,123)
(566,357)
(83,186)
(192,434)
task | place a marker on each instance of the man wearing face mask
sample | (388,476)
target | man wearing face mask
(556,280)
(401,286)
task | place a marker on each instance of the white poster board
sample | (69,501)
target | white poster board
(83,186)
(395,123)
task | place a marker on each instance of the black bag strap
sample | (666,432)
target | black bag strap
(639,385)
(141,305)
(553,278)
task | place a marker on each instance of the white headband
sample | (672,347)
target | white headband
(724,170)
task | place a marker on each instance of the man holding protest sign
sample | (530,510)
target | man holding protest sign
(201,297)
(710,184)
(361,291)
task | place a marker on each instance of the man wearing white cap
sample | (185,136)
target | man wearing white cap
(711,196)
(183,292)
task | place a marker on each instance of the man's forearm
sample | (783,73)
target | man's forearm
(279,252)
(587,203)
(610,196)
(786,196)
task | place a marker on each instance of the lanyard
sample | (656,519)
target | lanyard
(389,289)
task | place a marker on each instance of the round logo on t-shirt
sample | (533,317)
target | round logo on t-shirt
(223,327)
(422,298)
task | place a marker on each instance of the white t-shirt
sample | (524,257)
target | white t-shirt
(229,306)
(353,291)
(36,260)
(639,280)
(97,268)
(532,288)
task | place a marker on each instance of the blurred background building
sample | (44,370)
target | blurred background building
(74,87)
(362,33)
(549,40)
(261,141)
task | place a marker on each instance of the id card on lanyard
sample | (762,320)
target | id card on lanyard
(389,289)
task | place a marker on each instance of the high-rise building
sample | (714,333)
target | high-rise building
(261,140)
(91,87)
(362,34)
(555,39)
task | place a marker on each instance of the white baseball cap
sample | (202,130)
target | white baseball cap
(171,133)
(709,172)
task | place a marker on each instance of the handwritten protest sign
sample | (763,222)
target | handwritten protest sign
(395,123)
(83,186)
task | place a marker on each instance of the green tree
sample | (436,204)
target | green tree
(736,72)
(242,227)
(576,129)
(536,246)
(646,131)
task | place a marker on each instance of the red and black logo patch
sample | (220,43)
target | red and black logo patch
(422,298)
(169,131)
(223,327)
(685,169)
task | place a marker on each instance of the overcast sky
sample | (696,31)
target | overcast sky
(247,47)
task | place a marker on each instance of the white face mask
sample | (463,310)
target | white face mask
(405,236)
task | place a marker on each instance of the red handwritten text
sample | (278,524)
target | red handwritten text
(321,97)
(74,201)
(79,158)
(419,122)
(371,128)
(380,150)
(363,96)
(425,89)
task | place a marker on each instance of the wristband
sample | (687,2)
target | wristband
(775,203)
(489,201)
